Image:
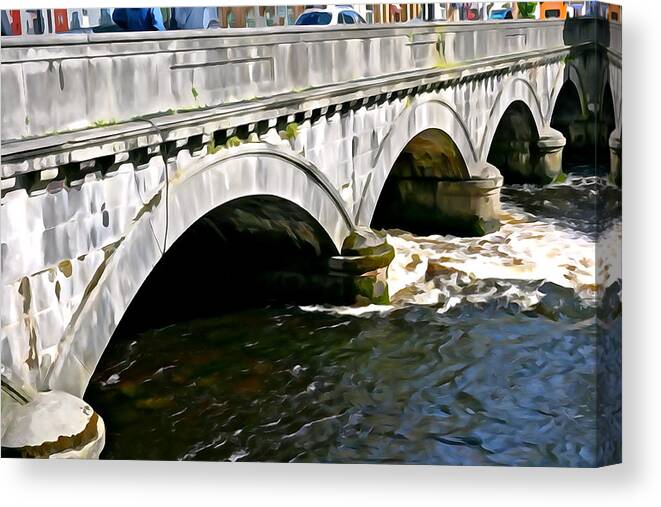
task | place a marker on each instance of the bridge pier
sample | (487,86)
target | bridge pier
(361,267)
(429,193)
(52,424)
(549,164)
(582,135)
(438,206)
(355,276)
(523,152)
(615,146)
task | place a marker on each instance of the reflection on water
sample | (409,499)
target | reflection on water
(487,355)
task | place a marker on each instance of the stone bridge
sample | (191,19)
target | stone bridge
(136,164)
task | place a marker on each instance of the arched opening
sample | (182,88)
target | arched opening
(414,196)
(514,150)
(567,118)
(213,292)
(245,253)
(605,126)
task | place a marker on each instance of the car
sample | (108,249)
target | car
(330,16)
(501,14)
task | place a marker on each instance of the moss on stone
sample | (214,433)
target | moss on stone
(371,289)
(233,142)
(291,131)
(105,123)
(211,147)
(560,178)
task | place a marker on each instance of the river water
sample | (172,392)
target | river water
(488,355)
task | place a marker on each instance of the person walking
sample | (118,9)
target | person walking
(194,18)
(137,20)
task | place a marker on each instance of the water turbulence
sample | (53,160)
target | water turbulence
(487,353)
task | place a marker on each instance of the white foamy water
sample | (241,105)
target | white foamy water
(508,265)
(428,269)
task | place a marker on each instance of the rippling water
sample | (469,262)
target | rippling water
(487,355)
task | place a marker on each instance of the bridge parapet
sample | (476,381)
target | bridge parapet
(58,84)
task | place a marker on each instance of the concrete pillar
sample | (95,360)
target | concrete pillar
(51,424)
(360,270)
(549,164)
(615,146)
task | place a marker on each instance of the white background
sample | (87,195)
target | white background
(636,482)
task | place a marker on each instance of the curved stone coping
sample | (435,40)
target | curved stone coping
(363,251)
(91,450)
(260,65)
(472,187)
(54,424)
(550,140)
(263,150)
(377,258)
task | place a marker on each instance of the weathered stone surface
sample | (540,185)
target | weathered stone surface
(462,208)
(361,268)
(52,424)
(549,165)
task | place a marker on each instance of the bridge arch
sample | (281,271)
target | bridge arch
(254,174)
(607,126)
(607,111)
(566,79)
(568,117)
(410,196)
(516,90)
(514,148)
(437,119)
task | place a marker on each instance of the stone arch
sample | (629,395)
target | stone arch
(249,170)
(423,115)
(607,127)
(514,146)
(515,90)
(569,74)
(568,96)
(608,112)
(409,198)
(613,78)
(568,117)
